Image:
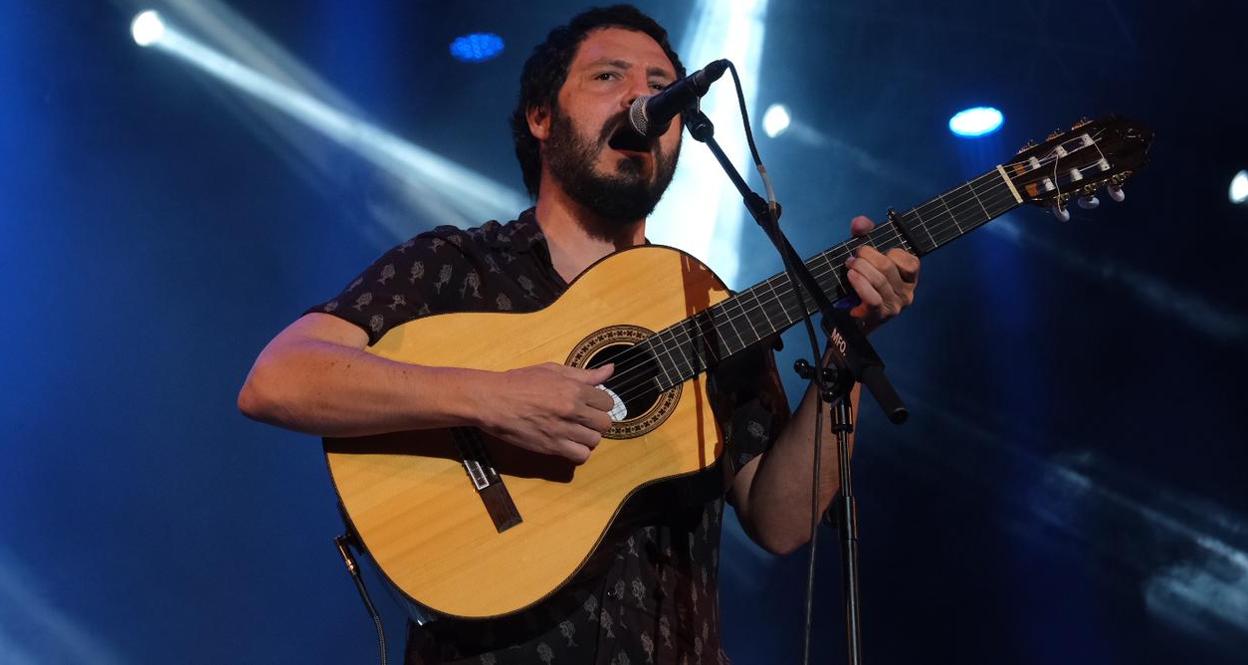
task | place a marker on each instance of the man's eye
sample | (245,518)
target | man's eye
(657,85)
(605,76)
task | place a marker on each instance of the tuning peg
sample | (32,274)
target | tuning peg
(1028,146)
(1116,193)
(1082,122)
(1062,214)
(1054,134)
(1089,202)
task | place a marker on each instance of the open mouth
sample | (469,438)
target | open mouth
(626,140)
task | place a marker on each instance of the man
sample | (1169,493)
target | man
(594,187)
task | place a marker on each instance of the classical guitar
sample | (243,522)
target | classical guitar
(472,527)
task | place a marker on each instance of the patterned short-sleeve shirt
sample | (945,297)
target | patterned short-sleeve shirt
(653,599)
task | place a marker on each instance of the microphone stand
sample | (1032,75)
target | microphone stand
(852,359)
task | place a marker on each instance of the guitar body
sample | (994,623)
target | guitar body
(413,503)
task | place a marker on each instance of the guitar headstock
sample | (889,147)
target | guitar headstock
(1094,154)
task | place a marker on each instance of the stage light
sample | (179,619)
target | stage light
(975,122)
(147,28)
(477,47)
(776,120)
(1239,188)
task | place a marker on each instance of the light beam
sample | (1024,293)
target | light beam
(446,192)
(702,212)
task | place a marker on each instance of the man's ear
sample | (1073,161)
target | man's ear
(539,122)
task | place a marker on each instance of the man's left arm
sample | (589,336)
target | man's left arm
(772,492)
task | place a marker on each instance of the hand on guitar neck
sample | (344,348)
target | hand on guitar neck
(884,282)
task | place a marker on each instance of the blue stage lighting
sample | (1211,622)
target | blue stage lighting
(977,121)
(477,47)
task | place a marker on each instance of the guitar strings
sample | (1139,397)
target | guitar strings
(937,226)
(832,259)
(659,342)
(662,343)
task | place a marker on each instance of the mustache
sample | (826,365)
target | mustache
(611,126)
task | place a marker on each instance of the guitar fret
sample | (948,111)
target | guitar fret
(667,376)
(923,225)
(952,216)
(687,369)
(717,313)
(763,307)
(747,317)
(784,308)
(971,187)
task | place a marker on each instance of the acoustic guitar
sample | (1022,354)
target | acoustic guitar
(472,527)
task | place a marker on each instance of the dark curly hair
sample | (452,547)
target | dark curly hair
(547,69)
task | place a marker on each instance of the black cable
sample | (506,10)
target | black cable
(745,115)
(344,542)
(817,380)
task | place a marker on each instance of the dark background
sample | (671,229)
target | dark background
(1071,484)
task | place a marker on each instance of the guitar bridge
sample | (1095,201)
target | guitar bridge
(489,485)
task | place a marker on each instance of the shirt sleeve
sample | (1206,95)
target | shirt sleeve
(753,406)
(416,278)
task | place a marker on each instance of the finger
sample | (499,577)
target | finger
(907,264)
(875,258)
(597,398)
(861,225)
(595,376)
(885,266)
(600,422)
(877,279)
(870,298)
(584,436)
(574,452)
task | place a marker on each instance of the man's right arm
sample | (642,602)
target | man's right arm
(316,377)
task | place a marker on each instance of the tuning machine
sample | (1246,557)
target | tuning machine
(1115,192)
(1057,133)
(1025,148)
(1083,122)
(1060,212)
(1089,202)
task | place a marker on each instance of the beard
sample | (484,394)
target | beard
(616,199)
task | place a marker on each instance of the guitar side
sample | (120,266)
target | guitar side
(414,506)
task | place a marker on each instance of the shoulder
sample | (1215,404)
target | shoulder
(517,234)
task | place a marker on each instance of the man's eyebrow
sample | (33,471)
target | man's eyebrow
(624,64)
(660,72)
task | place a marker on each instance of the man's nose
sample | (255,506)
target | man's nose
(639,87)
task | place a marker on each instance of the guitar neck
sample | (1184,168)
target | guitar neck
(688,348)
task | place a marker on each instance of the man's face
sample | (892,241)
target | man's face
(589,150)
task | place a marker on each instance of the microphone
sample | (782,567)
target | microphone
(651,116)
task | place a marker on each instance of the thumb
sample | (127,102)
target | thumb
(861,225)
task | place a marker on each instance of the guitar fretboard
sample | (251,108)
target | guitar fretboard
(688,348)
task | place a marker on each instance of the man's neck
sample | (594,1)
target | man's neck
(576,237)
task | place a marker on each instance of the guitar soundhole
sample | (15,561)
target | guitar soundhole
(633,383)
(640,406)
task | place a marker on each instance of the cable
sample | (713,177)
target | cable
(344,542)
(817,379)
